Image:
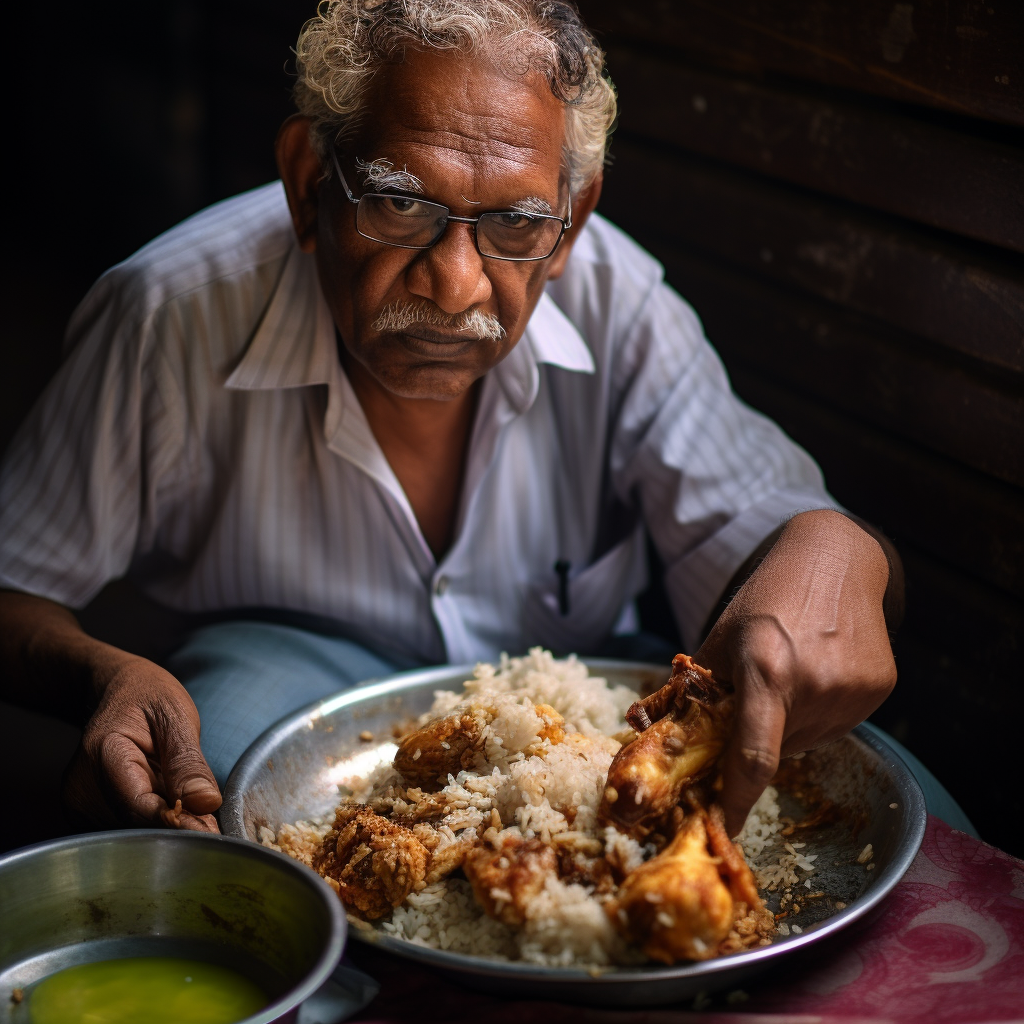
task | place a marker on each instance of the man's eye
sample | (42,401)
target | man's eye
(515,220)
(400,206)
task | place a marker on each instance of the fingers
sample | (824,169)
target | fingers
(129,782)
(198,822)
(186,775)
(140,762)
(751,756)
(112,787)
(180,794)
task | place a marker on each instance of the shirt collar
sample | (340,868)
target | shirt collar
(294,344)
(555,340)
(550,337)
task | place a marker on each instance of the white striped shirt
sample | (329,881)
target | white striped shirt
(202,437)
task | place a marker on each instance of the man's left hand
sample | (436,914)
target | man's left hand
(804,642)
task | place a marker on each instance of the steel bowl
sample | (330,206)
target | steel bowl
(292,773)
(153,892)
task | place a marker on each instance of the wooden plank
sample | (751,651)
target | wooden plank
(962,722)
(882,159)
(959,517)
(962,617)
(955,55)
(958,658)
(958,295)
(853,364)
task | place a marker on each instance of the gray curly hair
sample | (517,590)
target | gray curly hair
(339,51)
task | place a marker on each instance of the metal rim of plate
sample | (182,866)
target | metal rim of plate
(602,984)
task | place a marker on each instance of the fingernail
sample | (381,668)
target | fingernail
(195,784)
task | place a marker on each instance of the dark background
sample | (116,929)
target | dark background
(837,188)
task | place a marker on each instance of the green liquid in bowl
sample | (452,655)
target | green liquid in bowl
(145,990)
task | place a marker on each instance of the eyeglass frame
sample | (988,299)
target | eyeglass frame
(566,223)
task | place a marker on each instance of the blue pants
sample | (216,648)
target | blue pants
(245,676)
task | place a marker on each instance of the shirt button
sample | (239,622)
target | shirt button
(440,586)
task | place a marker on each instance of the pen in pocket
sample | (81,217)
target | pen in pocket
(562,569)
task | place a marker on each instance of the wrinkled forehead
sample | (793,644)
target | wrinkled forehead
(441,114)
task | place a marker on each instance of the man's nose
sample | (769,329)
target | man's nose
(451,273)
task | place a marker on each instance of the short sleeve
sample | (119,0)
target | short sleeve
(78,476)
(713,477)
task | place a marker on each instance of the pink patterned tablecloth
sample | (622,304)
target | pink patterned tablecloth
(946,948)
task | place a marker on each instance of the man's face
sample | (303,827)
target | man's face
(478,142)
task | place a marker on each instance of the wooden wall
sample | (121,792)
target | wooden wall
(838,189)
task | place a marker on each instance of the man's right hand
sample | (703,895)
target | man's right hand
(140,755)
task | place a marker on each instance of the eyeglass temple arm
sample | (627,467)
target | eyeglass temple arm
(344,183)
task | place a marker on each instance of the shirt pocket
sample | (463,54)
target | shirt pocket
(596,597)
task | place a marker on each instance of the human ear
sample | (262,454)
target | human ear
(582,207)
(301,173)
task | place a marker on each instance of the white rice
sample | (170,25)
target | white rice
(775,862)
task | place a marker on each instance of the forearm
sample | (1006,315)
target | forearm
(819,561)
(47,662)
(893,600)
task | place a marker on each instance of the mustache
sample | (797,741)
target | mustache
(399,316)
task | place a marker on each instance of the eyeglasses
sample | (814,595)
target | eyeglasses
(418,224)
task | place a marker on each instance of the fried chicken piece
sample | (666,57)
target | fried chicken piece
(506,881)
(688,682)
(676,905)
(733,866)
(443,747)
(682,730)
(373,862)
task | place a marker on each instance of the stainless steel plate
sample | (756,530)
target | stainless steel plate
(292,772)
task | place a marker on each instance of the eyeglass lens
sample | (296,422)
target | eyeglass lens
(417,224)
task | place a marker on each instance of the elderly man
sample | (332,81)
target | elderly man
(417,405)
